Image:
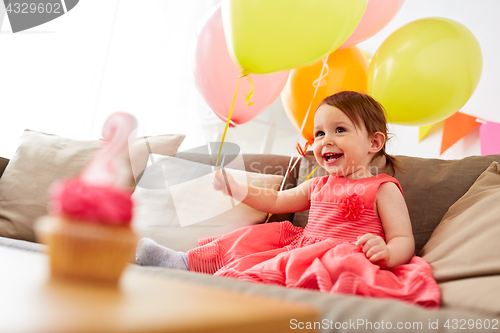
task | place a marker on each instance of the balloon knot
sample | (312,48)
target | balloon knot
(244,72)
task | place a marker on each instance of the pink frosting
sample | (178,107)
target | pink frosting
(94,204)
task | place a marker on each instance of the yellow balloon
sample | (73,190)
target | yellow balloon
(265,36)
(425,71)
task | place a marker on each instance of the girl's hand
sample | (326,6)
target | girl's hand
(375,249)
(219,183)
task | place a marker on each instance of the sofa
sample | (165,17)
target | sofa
(453,205)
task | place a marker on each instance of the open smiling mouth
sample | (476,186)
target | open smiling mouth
(332,157)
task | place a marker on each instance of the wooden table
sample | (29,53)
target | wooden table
(30,301)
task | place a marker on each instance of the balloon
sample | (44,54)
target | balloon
(425,71)
(267,36)
(348,69)
(216,76)
(377,15)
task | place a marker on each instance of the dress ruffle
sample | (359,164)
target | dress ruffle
(295,261)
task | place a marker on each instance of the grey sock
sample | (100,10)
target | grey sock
(150,253)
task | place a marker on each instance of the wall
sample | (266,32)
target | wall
(66,76)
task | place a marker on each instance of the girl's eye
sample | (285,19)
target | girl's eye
(319,133)
(340,130)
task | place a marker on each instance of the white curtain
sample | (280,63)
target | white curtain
(66,76)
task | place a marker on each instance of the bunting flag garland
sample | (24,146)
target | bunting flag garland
(425,131)
(459,125)
(456,127)
(489,134)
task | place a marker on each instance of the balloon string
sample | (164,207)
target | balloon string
(320,81)
(307,178)
(288,170)
(228,120)
(317,83)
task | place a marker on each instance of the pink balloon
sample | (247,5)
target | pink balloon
(216,76)
(378,14)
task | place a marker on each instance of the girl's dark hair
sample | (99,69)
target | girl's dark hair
(364,108)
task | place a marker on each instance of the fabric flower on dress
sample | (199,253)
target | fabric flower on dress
(352,207)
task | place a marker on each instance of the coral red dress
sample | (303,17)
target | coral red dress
(322,256)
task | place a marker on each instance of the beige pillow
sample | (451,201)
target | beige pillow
(477,294)
(178,215)
(40,160)
(463,249)
(142,150)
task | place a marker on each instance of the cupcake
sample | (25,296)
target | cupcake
(88,229)
(88,232)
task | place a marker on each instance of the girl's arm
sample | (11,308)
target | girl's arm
(266,200)
(399,246)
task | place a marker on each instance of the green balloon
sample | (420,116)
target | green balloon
(425,71)
(265,36)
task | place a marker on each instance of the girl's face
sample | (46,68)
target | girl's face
(340,147)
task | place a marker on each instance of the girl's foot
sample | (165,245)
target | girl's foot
(150,253)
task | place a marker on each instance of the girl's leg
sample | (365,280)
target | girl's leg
(150,253)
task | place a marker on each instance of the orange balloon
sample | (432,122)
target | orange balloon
(347,70)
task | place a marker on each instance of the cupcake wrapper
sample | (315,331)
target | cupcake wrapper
(86,251)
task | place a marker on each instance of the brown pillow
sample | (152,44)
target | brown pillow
(40,160)
(430,187)
(3,165)
(463,250)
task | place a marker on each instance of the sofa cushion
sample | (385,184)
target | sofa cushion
(465,245)
(176,205)
(344,313)
(40,160)
(430,187)
(478,294)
